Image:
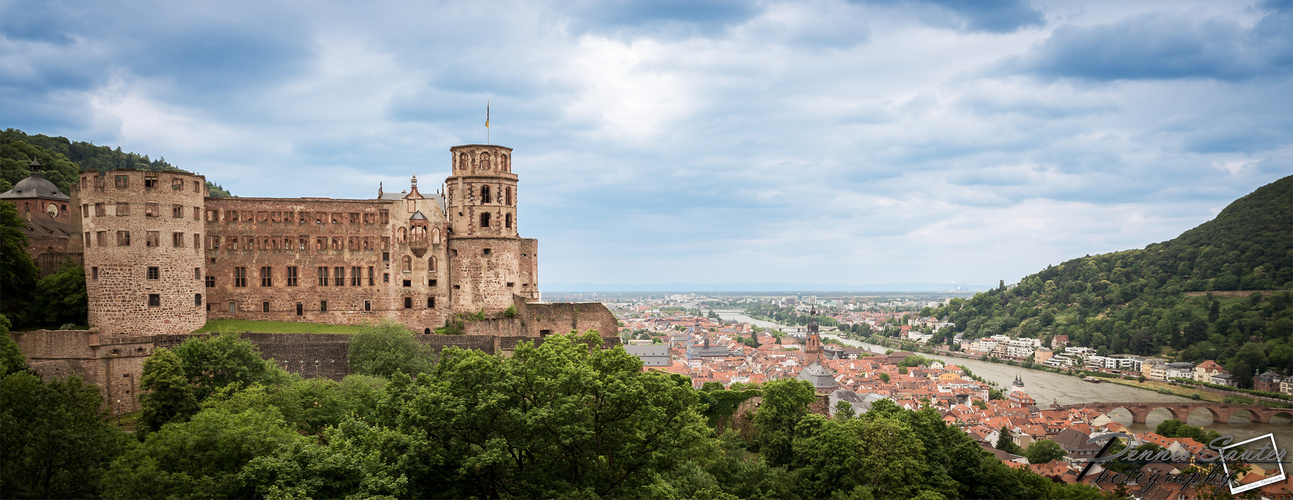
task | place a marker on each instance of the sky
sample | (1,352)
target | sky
(819,143)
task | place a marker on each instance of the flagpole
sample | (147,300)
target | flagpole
(486,122)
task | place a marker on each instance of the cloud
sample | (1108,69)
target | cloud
(1165,45)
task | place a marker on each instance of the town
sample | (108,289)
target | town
(673,333)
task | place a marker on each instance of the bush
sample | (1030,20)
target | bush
(386,348)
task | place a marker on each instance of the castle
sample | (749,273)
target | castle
(161,257)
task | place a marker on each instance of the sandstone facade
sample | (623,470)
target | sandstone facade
(161,257)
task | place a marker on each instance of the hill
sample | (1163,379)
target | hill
(63,160)
(1136,301)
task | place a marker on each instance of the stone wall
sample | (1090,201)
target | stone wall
(546,318)
(144,260)
(115,364)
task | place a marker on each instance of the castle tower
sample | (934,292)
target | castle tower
(490,261)
(813,347)
(144,261)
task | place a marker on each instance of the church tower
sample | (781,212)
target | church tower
(490,261)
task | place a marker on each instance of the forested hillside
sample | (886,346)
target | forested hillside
(63,159)
(1159,300)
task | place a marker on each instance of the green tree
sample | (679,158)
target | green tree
(63,294)
(386,348)
(11,359)
(56,441)
(18,273)
(1043,451)
(884,377)
(1006,442)
(785,403)
(200,458)
(215,362)
(169,396)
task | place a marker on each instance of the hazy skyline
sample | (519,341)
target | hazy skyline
(822,142)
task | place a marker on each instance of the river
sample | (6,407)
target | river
(1046,387)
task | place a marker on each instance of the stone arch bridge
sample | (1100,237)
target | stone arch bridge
(1221,412)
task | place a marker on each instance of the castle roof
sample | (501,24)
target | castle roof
(35,186)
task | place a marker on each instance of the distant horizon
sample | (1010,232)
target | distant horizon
(759,287)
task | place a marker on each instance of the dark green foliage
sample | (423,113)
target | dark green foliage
(719,404)
(63,296)
(11,359)
(1043,451)
(386,348)
(18,273)
(1006,443)
(785,403)
(63,159)
(56,443)
(1175,428)
(213,363)
(200,458)
(169,396)
(1134,301)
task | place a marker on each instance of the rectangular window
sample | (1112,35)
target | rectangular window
(177,211)
(304,243)
(123,209)
(197,273)
(356,276)
(369,218)
(323,306)
(266,276)
(408,302)
(386,277)
(430,282)
(368,305)
(385,216)
(197,299)
(197,188)
(123,238)
(339,276)
(152,210)
(430,302)
(210,281)
(213,215)
(354,217)
(94,273)
(231,216)
(101,238)
(321,243)
(303,217)
(231,242)
(150,180)
(99,210)
(370,276)
(240,276)
(151,238)
(122,181)
(336,243)
(262,216)
(246,216)
(233,307)
(408,283)
(291,276)
(87,238)
(197,213)
(323,276)
(264,307)
(154,300)
(197,240)
(177,240)
(85,210)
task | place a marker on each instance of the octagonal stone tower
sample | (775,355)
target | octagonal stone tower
(142,233)
(491,262)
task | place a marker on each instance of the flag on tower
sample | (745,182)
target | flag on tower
(486,114)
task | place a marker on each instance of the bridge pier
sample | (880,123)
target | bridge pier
(1139,413)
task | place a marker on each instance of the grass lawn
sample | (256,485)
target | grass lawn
(1155,385)
(238,325)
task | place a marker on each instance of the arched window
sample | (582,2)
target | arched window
(484,219)
(431,264)
(508,190)
(506,164)
(484,194)
(407,264)
(401,234)
(435,235)
(508,223)
(462,161)
(484,161)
